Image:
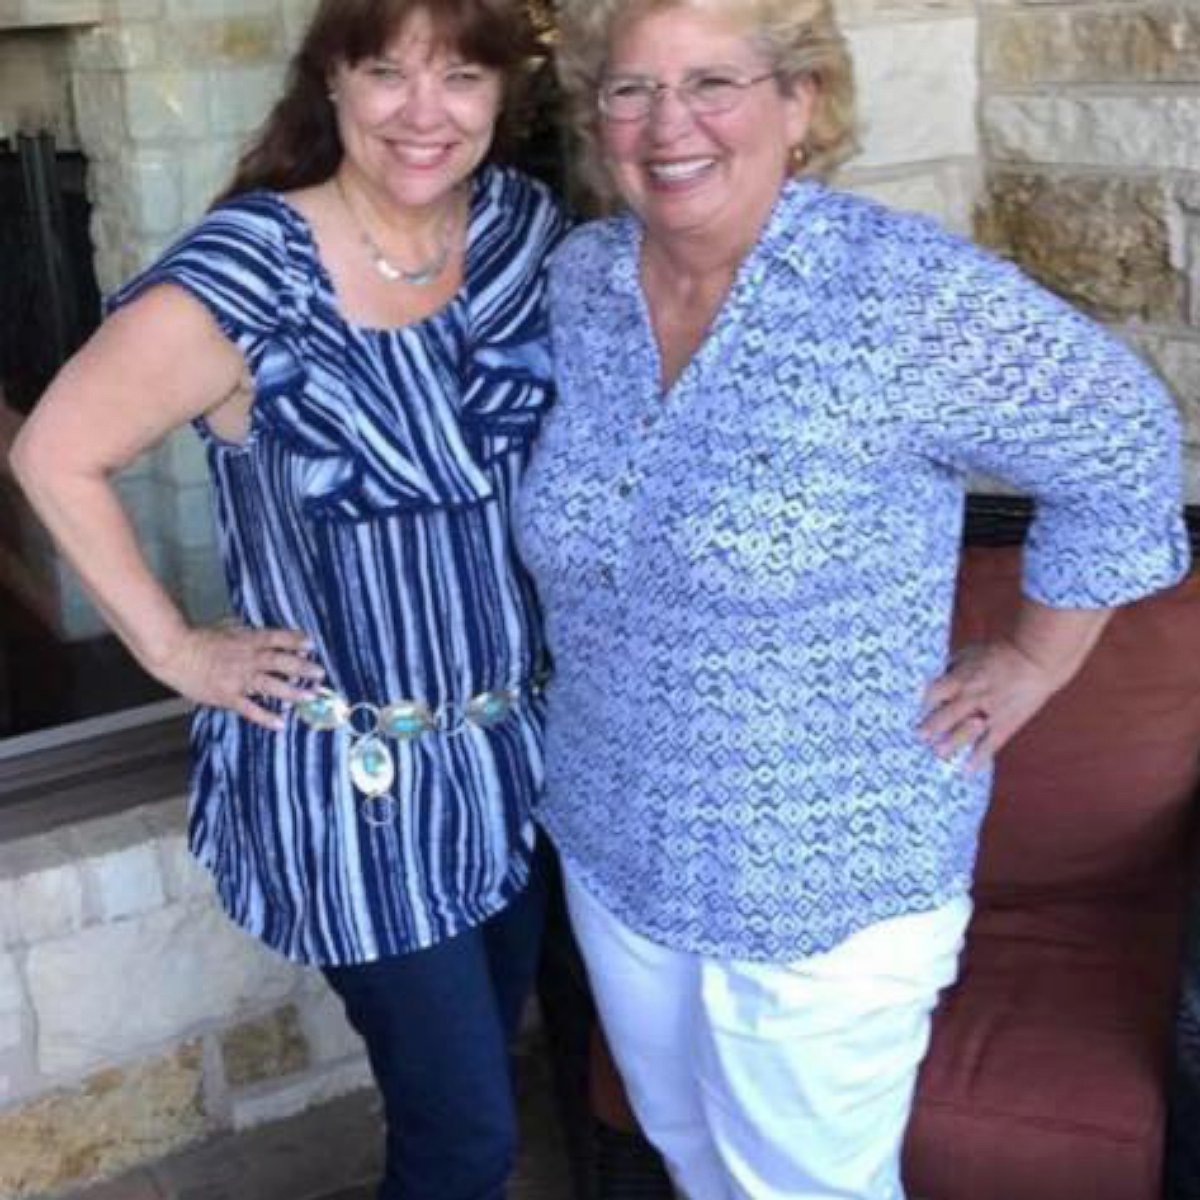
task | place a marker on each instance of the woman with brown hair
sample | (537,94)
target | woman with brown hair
(357,333)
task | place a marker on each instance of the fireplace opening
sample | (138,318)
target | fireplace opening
(55,665)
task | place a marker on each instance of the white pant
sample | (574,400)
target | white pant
(760,1081)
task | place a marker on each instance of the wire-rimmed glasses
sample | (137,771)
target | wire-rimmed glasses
(704,93)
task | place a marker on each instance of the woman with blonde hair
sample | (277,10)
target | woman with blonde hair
(764,777)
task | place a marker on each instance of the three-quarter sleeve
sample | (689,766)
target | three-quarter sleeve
(1005,379)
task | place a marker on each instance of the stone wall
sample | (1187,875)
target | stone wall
(1089,115)
(915,65)
(134,1017)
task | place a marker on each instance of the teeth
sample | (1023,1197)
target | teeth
(680,170)
(422,156)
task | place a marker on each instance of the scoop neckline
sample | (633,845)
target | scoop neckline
(430,320)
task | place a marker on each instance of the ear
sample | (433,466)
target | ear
(800,100)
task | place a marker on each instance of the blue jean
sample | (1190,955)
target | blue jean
(437,1025)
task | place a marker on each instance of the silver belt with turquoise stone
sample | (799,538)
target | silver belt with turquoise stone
(371,727)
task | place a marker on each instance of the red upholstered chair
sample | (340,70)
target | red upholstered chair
(1047,1074)
(1048,1071)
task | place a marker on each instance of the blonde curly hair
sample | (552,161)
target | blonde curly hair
(800,38)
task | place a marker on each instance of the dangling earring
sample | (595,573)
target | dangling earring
(796,157)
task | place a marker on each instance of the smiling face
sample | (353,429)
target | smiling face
(712,175)
(417,119)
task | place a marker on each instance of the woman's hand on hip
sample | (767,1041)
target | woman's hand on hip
(989,692)
(232,666)
(992,689)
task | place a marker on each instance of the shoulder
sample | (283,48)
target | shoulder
(848,230)
(524,205)
(589,252)
(236,260)
(246,240)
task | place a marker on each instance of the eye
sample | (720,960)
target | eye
(714,85)
(623,90)
(465,78)
(384,72)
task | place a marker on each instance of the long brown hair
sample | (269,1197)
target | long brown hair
(298,144)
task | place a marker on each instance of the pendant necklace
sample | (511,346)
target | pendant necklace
(423,275)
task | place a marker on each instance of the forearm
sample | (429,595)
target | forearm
(1057,640)
(91,528)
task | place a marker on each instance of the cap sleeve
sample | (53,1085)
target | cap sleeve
(233,263)
(239,262)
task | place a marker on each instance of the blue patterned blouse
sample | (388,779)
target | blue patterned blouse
(748,581)
(370,507)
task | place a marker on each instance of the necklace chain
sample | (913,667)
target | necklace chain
(420,277)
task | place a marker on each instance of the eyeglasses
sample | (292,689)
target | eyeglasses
(705,94)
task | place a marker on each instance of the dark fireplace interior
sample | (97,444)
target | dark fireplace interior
(49,303)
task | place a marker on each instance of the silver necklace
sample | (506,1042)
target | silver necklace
(422,276)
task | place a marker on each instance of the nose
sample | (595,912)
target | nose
(424,105)
(668,112)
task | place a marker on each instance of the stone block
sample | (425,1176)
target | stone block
(131,10)
(240,98)
(14,1011)
(118,1118)
(206,9)
(177,969)
(152,182)
(1177,360)
(206,171)
(139,497)
(98,99)
(129,47)
(10,931)
(48,895)
(1102,242)
(231,41)
(296,16)
(184,877)
(1139,131)
(186,516)
(125,883)
(266,1048)
(45,14)
(164,106)
(1156,44)
(946,191)
(851,13)
(330,1036)
(260,1105)
(201,584)
(180,459)
(917,87)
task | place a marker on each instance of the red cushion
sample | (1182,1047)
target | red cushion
(1095,794)
(1045,1077)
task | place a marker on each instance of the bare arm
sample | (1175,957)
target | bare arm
(992,690)
(149,369)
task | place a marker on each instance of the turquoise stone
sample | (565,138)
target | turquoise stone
(405,719)
(490,708)
(324,709)
(372,768)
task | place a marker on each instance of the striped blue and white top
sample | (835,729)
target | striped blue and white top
(369,506)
